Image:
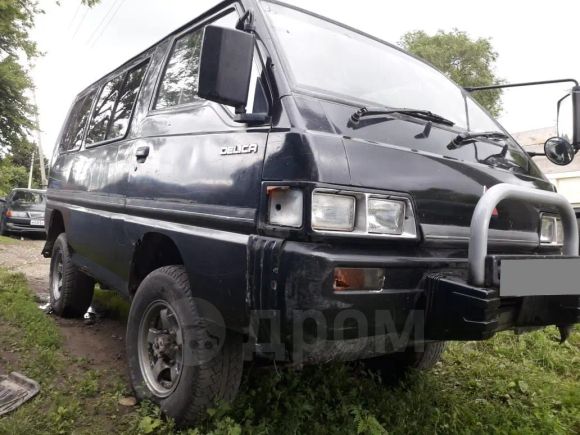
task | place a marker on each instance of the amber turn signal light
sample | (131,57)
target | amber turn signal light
(358,279)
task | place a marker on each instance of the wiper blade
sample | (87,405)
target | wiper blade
(416,113)
(467,138)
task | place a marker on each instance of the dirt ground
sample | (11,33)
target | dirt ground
(100,344)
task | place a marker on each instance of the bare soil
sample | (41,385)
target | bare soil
(101,344)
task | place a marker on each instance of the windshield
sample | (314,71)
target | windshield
(347,64)
(24,197)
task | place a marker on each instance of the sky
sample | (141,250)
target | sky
(535,40)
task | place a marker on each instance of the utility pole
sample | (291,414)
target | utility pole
(43,182)
(30,173)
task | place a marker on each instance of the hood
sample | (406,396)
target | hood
(403,156)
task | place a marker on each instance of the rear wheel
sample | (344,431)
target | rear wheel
(71,291)
(179,356)
(397,364)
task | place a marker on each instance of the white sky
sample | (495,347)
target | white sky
(535,40)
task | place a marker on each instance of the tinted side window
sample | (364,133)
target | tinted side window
(103,110)
(179,83)
(131,87)
(73,135)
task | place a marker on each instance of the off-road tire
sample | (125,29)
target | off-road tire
(398,364)
(200,385)
(76,289)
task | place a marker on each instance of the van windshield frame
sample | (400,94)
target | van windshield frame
(472,117)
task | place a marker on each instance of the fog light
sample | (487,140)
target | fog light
(355,278)
(551,231)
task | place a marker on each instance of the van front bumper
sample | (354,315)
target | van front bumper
(435,296)
(430,292)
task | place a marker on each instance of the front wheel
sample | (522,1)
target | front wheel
(180,355)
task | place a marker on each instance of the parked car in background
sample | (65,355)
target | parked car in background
(23,212)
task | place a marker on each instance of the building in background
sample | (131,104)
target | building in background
(565,178)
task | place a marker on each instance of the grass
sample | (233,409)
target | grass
(6,240)
(510,384)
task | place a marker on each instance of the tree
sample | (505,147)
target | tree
(11,175)
(16,110)
(466,61)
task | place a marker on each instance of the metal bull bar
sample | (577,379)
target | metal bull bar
(482,216)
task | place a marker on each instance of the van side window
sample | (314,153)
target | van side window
(179,84)
(103,111)
(73,134)
(126,102)
(115,104)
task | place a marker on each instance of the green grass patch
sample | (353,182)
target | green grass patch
(6,240)
(507,385)
(74,398)
(111,304)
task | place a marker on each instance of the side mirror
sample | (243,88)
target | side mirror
(226,66)
(559,151)
(568,123)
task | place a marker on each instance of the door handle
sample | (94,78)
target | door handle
(142,153)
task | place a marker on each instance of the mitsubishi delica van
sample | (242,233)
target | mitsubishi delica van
(266,183)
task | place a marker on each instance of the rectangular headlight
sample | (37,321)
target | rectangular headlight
(385,216)
(16,214)
(333,212)
(551,231)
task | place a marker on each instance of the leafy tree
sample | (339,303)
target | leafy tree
(16,110)
(466,61)
(11,176)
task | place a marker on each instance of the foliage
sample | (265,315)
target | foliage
(16,111)
(16,20)
(466,61)
(11,176)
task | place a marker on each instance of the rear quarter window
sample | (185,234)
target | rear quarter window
(73,134)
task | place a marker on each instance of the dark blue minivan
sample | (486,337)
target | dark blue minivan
(266,183)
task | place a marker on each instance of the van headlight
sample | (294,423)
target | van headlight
(333,212)
(361,214)
(385,216)
(551,231)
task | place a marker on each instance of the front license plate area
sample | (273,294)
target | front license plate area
(37,222)
(548,276)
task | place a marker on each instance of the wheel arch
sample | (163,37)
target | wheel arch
(152,251)
(55,228)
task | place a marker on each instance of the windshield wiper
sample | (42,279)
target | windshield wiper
(416,113)
(467,138)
